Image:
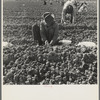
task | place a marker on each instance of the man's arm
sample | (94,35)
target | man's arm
(55,37)
(42,32)
(74,13)
(63,16)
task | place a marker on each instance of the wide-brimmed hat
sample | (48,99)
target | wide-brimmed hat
(48,15)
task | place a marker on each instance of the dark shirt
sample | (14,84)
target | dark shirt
(49,32)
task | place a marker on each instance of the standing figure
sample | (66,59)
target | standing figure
(45,2)
(47,32)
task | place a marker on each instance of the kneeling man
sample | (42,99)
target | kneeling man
(47,32)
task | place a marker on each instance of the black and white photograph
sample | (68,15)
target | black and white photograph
(50,42)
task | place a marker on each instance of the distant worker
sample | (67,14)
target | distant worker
(69,8)
(45,2)
(47,32)
(50,2)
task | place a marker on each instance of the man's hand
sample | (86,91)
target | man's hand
(64,23)
(52,42)
(46,42)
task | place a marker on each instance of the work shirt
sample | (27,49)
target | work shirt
(49,32)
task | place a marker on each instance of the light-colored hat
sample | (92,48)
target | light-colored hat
(48,14)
